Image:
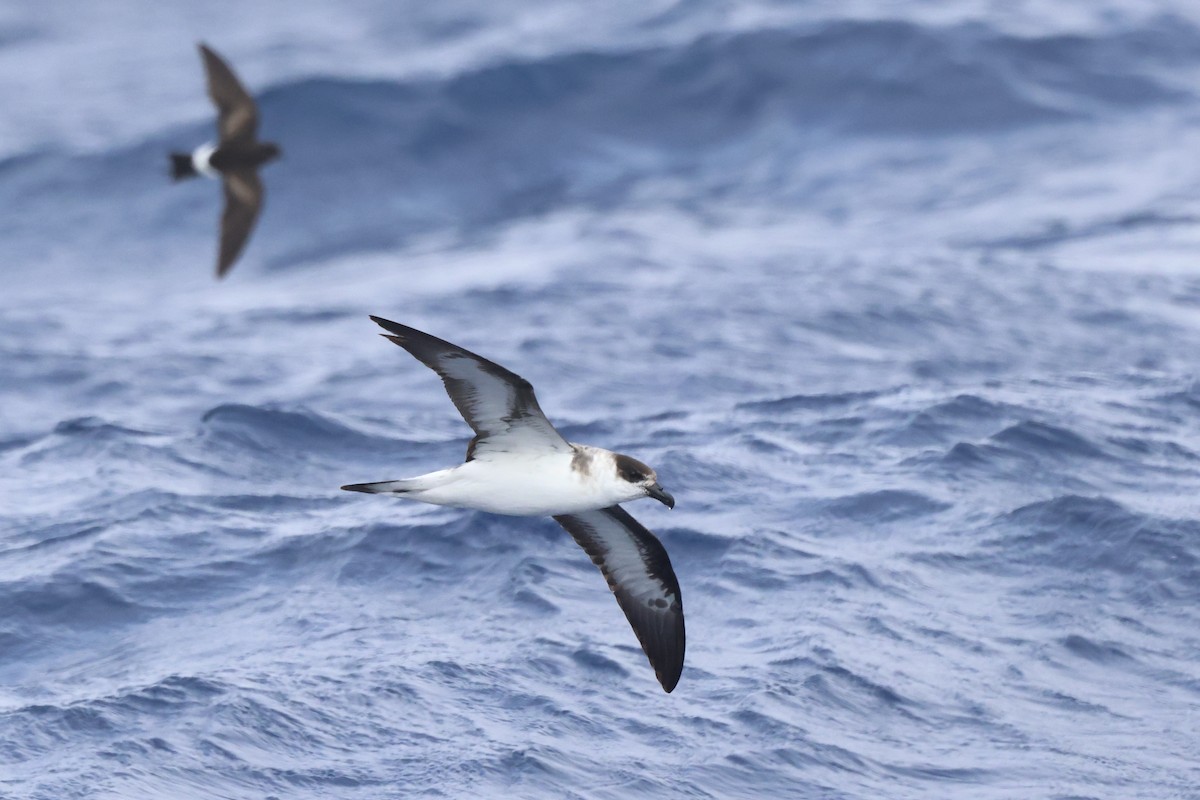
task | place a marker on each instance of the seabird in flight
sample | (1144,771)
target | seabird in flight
(519,464)
(235,158)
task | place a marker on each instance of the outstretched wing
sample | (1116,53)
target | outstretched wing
(498,405)
(243,201)
(638,571)
(237,115)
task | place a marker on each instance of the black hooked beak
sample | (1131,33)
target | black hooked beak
(661,495)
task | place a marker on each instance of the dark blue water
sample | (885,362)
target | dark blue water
(903,303)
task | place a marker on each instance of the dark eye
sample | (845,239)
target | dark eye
(633,476)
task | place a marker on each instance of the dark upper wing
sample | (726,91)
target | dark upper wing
(638,571)
(243,201)
(237,116)
(498,405)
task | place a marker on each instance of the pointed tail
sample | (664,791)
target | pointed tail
(182,166)
(385,487)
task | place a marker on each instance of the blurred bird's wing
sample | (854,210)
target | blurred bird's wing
(243,201)
(237,115)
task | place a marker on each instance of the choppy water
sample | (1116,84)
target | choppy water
(903,304)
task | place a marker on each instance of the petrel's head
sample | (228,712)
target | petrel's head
(632,471)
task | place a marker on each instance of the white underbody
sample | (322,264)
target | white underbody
(201,160)
(525,484)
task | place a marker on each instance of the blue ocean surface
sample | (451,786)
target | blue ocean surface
(902,301)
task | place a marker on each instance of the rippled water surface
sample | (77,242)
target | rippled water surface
(902,302)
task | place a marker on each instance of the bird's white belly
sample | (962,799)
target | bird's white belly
(535,487)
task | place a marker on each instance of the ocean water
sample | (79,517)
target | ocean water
(902,301)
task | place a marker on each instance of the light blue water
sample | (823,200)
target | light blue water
(902,303)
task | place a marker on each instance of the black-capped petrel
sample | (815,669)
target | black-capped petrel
(235,158)
(519,464)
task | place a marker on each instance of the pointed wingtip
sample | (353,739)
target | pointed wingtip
(357,487)
(387,324)
(670,672)
(225,262)
(670,680)
(395,331)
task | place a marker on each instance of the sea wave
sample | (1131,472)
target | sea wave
(936,524)
(518,138)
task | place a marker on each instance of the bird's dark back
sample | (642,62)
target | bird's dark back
(244,157)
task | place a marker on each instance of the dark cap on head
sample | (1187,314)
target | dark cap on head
(632,470)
